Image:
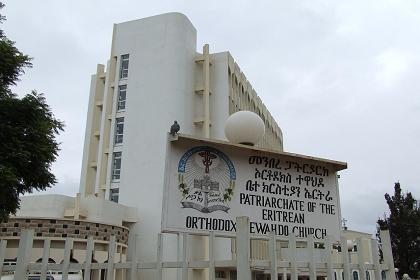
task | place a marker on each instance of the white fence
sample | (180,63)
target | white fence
(274,264)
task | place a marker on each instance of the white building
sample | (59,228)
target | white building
(155,76)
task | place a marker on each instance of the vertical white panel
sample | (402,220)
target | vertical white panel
(111,259)
(273,256)
(184,257)
(132,256)
(68,246)
(211,256)
(24,253)
(293,264)
(328,252)
(360,258)
(375,259)
(159,257)
(242,247)
(345,258)
(45,257)
(312,263)
(387,251)
(88,257)
(3,246)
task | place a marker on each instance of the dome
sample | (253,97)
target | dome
(244,127)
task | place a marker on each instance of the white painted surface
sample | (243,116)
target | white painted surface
(272,189)
(96,209)
(161,87)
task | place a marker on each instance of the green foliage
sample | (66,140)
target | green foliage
(403,224)
(27,133)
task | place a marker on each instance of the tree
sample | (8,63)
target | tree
(403,224)
(28,132)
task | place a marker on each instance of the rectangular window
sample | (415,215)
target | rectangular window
(122,91)
(116,166)
(124,67)
(119,130)
(114,194)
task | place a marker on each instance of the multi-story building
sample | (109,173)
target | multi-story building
(155,76)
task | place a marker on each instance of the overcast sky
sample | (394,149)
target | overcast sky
(341,78)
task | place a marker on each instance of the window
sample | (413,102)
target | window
(355,275)
(116,166)
(383,274)
(122,91)
(119,130)
(114,194)
(124,67)
(367,275)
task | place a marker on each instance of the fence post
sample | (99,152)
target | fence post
(111,259)
(375,258)
(3,246)
(159,257)
(312,263)
(328,250)
(212,272)
(293,264)
(132,256)
(273,255)
(345,258)
(184,272)
(88,258)
(242,248)
(66,258)
(360,258)
(387,252)
(24,253)
(45,258)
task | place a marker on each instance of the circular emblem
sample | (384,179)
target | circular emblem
(206,179)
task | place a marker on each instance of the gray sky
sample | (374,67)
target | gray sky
(341,78)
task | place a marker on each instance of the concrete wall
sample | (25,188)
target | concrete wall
(88,208)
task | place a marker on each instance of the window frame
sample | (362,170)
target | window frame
(116,166)
(120,102)
(119,135)
(124,63)
(355,275)
(114,195)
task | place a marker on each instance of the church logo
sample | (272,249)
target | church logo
(206,179)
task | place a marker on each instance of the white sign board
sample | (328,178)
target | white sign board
(208,185)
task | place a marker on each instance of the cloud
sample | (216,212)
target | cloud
(341,78)
(393,65)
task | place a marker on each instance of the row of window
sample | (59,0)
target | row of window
(119,128)
(121,99)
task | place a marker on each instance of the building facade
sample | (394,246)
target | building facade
(155,76)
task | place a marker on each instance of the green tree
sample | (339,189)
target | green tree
(403,224)
(28,129)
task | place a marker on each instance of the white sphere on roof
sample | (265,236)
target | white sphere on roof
(350,245)
(244,127)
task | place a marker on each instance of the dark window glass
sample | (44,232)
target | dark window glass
(124,66)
